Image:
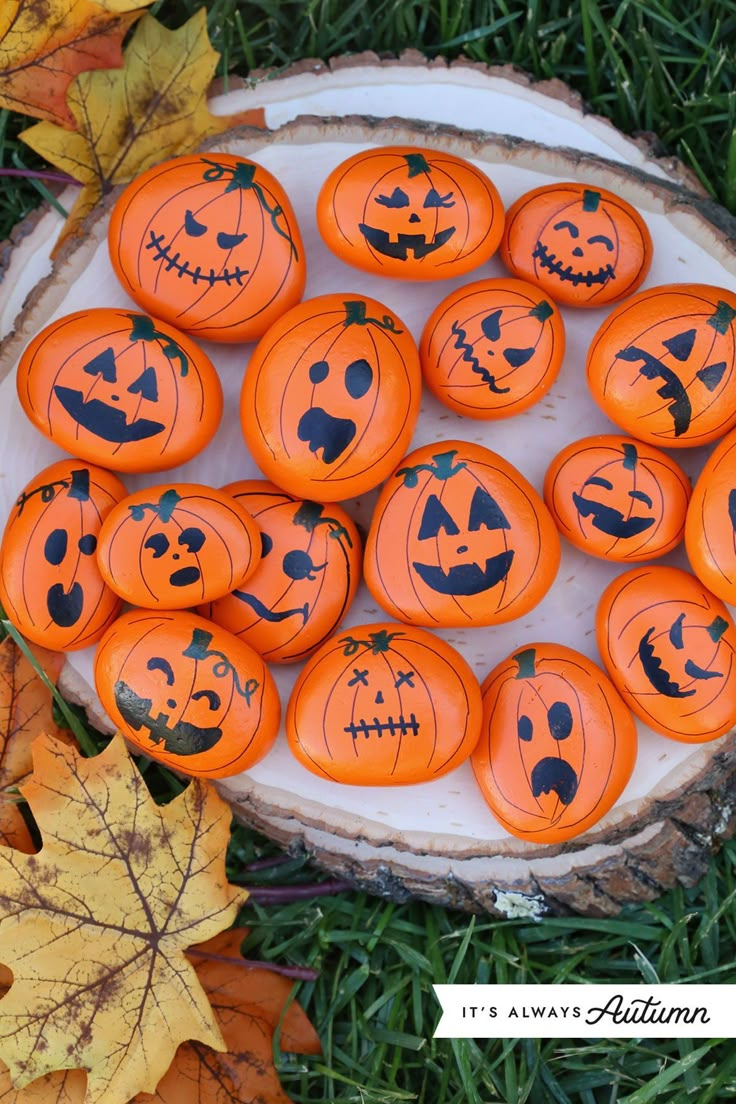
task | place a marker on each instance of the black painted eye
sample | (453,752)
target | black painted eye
(146,385)
(598,481)
(681,345)
(157,663)
(193,228)
(405,677)
(569,226)
(434,199)
(491,326)
(55,547)
(358,378)
(524,728)
(229,241)
(103,365)
(641,496)
(434,518)
(159,543)
(398,198)
(692,669)
(517,357)
(603,240)
(675,633)
(319,371)
(211,695)
(298,565)
(266,544)
(192,538)
(485,512)
(559,718)
(87,544)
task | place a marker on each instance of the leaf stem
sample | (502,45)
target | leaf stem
(279,895)
(299,973)
(36,174)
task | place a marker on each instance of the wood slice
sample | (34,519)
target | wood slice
(439,841)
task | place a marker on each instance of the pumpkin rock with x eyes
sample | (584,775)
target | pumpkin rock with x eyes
(331,396)
(415,214)
(120,389)
(50,584)
(583,246)
(617,498)
(710,527)
(557,743)
(186,692)
(173,546)
(663,364)
(668,645)
(305,580)
(210,243)
(459,538)
(383,705)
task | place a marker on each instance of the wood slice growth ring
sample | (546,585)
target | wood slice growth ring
(439,841)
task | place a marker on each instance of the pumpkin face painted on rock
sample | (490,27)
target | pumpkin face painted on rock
(668,644)
(50,584)
(410,213)
(210,243)
(583,246)
(493,348)
(120,389)
(459,537)
(187,693)
(382,705)
(331,397)
(305,581)
(557,743)
(170,547)
(617,498)
(663,365)
(710,528)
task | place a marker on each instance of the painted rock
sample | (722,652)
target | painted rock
(415,214)
(710,529)
(668,645)
(50,584)
(187,693)
(583,246)
(210,243)
(459,538)
(172,546)
(493,348)
(617,498)
(120,389)
(383,705)
(557,744)
(331,397)
(662,365)
(306,578)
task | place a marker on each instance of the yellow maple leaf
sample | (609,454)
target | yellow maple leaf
(94,927)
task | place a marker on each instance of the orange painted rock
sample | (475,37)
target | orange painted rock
(710,529)
(459,537)
(663,365)
(305,581)
(383,705)
(172,546)
(617,498)
(50,584)
(331,397)
(210,243)
(120,389)
(557,744)
(583,246)
(415,214)
(493,348)
(187,693)
(668,645)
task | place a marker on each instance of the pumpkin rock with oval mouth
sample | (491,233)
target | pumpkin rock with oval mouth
(331,396)
(668,645)
(51,587)
(415,214)
(710,527)
(583,246)
(172,546)
(209,242)
(557,743)
(617,498)
(493,348)
(186,692)
(120,389)
(384,705)
(305,580)
(459,538)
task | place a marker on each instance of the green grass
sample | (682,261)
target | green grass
(665,67)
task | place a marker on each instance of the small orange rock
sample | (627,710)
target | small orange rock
(710,528)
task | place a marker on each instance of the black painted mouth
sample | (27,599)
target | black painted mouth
(185,576)
(273,616)
(321,430)
(673,388)
(554,774)
(65,609)
(106,422)
(655,671)
(399,249)
(393,726)
(549,262)
(181,738)
(466,579)
(163,253)
(609,520)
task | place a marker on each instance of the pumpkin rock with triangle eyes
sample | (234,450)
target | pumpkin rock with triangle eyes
(383,705)
(663,365)
(557,743)
(710,528)
(50,584)
(331,397)
(415,214)
(305,581)
(186,692)
(120,389)
(493,348)
(668,645)
(617,498)
(210,243)
(583,246)
(170,547)
(459,538)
